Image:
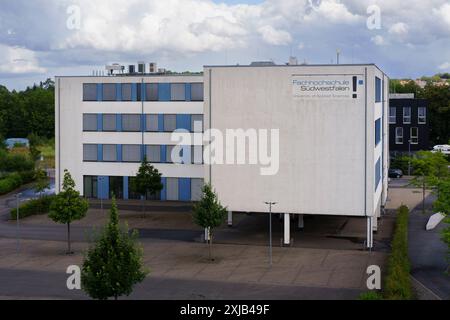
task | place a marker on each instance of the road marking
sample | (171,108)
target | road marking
(426,288)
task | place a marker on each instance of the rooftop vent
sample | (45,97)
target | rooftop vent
(292,61)
(262,63)
(141,67)
(153,67)
(114,67)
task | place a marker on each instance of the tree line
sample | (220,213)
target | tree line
(31,111)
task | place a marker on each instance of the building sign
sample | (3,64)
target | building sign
(325,87)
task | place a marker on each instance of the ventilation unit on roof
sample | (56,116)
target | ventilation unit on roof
(114,67)
(141,67)
(153,67)
(262,63)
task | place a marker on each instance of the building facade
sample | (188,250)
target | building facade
(331,123)
(106,125)
(408,124)
(333,138)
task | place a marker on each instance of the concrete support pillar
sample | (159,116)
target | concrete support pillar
(375,223)
(301,224)
(287,231)
(230,218)
(206,234)
(369,240)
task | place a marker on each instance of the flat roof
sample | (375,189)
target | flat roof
(289,65)
(125,75)
(296,65)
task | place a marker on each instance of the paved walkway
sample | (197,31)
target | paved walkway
(427,252)
(238,264)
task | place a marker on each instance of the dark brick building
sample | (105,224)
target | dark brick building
(408,124)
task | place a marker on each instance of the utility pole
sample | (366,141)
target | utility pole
(409,157)
(338,52)
(270,231)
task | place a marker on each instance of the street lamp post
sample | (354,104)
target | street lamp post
(17,220)
(100,179)
(270,230)
(409,157)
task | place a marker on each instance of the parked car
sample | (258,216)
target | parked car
(444,148)
(395,173)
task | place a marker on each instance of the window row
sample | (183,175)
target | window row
(143,91)
(413,135)
(175,189)
(142,122)
(135,153)
(406,116)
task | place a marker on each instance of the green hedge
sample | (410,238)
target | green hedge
(14,180)
(32,207)
(398,281)
(371,295)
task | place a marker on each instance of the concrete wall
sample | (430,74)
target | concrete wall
(327,147)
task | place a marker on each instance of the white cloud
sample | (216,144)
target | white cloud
(444,66)
(16,60)
(443,13)
(378,40)
(335,11)
(399,28)
(275,37)
(174,25)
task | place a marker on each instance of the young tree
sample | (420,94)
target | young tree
(148,180)
(208,213)
(114,264)
(429,169)
(68,206)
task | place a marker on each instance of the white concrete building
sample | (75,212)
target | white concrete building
(105,125)
(331,122)
(333,145)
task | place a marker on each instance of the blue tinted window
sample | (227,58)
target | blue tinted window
(377,173)
(377,131)
(377,89)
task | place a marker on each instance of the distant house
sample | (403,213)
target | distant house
(11,142)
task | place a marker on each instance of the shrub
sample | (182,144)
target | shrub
(32,207)
(12,162)
(10,182)
(371,295)
(398,282)
(14,180)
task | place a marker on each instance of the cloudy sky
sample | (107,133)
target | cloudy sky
(44,38)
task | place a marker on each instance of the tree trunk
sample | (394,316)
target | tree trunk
(68,239)
(210,244)
(143,207)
